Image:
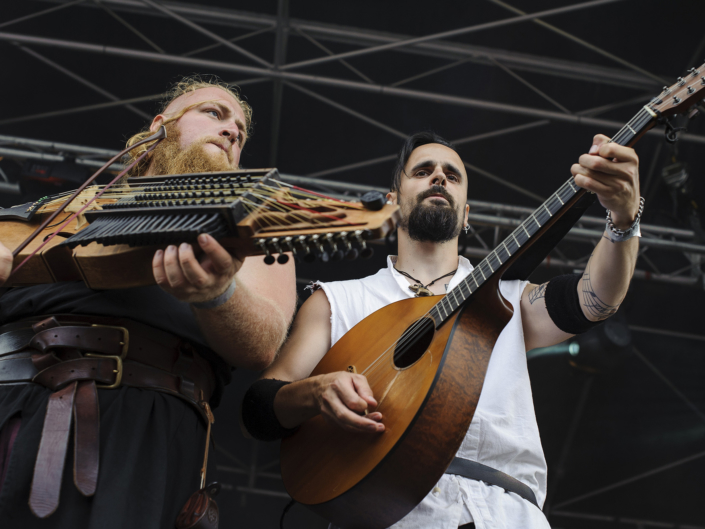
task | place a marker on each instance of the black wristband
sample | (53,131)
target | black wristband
(563,305)
(258,411)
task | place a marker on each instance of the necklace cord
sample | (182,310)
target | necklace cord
(419,282)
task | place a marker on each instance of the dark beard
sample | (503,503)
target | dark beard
(170,158)
(432,222)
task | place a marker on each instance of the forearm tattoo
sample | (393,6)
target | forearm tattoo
(537,293)
(595,307)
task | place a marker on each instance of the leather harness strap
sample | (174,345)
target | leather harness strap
(86,438)
(74,356)
(49,467)
(479,472)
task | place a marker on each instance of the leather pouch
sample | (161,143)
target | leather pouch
(201,510)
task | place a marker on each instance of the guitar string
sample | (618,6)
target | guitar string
(281,206)
(413,332)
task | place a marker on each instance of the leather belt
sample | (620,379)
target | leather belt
(74,355)
(479,472)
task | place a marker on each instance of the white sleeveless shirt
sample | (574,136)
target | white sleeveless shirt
(503,433)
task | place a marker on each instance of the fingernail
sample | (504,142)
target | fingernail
(171,249)
(184,246)
(594,149)
(159,253)
(203,238)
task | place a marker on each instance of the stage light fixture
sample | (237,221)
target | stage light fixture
(58,173)
(596,351)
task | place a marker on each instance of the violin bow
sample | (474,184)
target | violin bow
(157,137)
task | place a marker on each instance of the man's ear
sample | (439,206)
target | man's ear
(157,122)
(467,211)
(392,197)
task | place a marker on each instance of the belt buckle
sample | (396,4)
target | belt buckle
(118,359)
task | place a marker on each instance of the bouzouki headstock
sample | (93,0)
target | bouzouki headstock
(682,95)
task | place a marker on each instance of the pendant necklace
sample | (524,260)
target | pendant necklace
(420,289)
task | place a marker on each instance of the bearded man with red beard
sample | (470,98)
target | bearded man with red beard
(138,447)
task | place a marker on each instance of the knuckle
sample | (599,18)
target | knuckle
(176,283)
(200,282)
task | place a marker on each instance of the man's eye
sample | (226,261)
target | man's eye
(215,113)
(422,173)
(452,177)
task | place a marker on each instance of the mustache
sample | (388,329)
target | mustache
(436,190)
(224,143)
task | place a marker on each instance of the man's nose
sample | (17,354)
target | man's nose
(438,177)
(231,132)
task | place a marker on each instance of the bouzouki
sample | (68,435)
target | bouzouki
(250,212)
(425,360)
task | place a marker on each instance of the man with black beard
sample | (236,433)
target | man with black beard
(136,369)
(430,185)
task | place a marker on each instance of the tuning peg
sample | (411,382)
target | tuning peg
(373,200)
(336,254)
(351,254)
(693,72)
(282,258)
(269,258)
(367,252)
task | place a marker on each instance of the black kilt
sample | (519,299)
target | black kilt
(151,451)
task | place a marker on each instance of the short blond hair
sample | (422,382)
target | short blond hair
(184,86)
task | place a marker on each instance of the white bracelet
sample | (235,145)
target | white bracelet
(220,300)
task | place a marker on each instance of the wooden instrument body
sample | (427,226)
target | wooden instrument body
(372,481)
(122,266)
(353,479)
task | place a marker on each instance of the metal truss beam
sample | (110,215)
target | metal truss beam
(451,33)
(280,42)
(581,42)
(328,81)
(553,263)
(207,33)
(82,80)
(364,37)
(482,214)
(631,479)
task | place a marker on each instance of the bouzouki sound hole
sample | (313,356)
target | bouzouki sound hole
(414,342)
